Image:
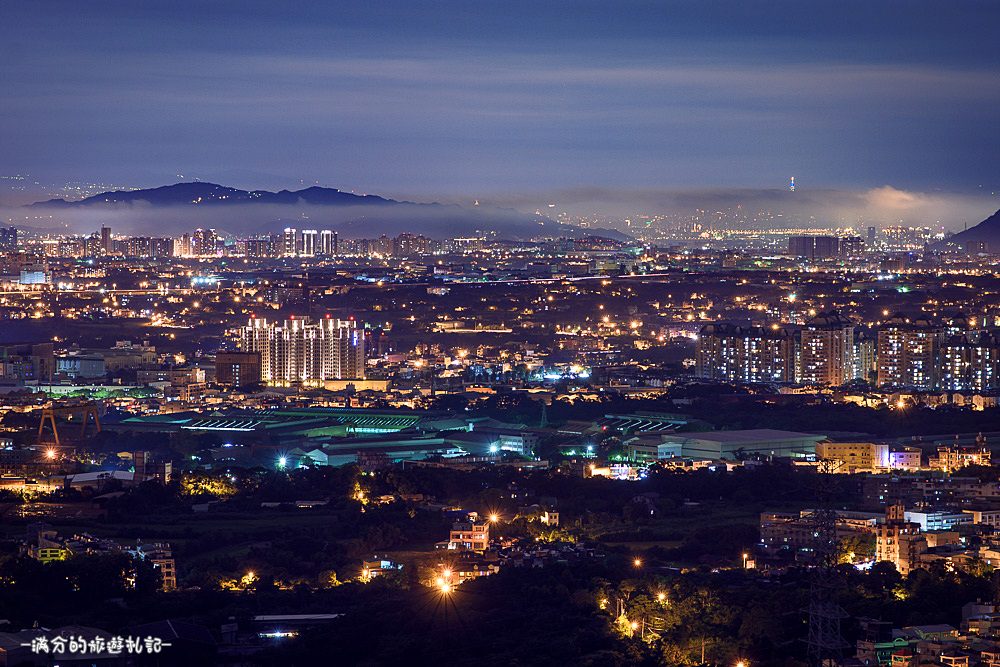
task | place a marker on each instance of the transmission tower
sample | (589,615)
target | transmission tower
(825,641)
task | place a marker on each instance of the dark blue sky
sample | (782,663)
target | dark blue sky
(464,97)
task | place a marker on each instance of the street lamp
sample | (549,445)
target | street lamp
(637,562)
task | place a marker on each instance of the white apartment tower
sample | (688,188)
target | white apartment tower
(290,242)
(328,243)
(308,247)
(301,349)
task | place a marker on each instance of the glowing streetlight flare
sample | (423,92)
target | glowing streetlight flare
(637,562)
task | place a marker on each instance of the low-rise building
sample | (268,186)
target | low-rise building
(469,535)
(734,444)
(899,541)
(795,531)
(938,519)
(851,457)
(950,458)
(377,567)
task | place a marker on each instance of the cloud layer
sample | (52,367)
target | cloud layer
(509,215)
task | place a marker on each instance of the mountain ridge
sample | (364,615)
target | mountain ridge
(988,231)
(204,192)
(201,203)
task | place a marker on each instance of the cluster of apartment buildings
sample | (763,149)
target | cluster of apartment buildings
(975,642)
(207,242)
(302,349)
(831,350)
(909,539)
(45,544)
(305,243)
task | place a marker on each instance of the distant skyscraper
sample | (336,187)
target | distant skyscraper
(182,246)
(791,184)
(814,247)
(204,243)
(851,246)
(257,247)
(406,245)
(291,242)
(308,247)
(8,239)
(106,242)
(328,243)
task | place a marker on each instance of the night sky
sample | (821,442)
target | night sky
(458,98)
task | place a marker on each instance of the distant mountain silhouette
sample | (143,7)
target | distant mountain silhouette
(182,206)
(211,193)
(988,230)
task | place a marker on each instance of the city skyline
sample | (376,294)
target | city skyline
(653,332)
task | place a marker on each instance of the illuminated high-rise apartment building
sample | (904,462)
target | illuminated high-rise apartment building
(328,243)
(290,242)
(204,243)
(908,353)
(302,350)
(826,351)
(731,353)
(970,362)
(307,247)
